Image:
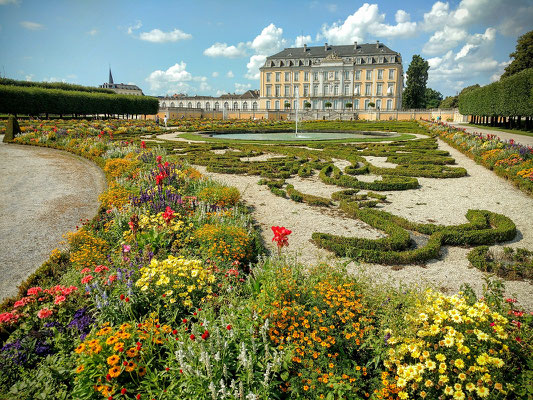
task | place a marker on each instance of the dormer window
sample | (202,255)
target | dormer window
(381,60)
(369,60)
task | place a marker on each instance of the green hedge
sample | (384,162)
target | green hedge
(55,85)
(509,97)
(484,227)
(515,264)
(35,100)
(307,198)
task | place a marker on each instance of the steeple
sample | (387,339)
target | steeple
(110,77)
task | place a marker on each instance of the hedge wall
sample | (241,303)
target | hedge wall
(55,85)
(35,100)
(509,97)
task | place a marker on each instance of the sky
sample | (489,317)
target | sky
(214,47)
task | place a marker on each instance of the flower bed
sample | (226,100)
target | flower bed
(507,159)
(160,296)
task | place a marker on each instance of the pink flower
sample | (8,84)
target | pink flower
(8,318)
(87,279)
(44,313)
(100,268)
(158,159)
(34,291)
(59,299)
(126,248)
(85,271)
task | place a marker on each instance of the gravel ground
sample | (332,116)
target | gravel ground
(43,194)
(439,201)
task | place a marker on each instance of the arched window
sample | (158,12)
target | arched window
(277,105)
(226,105)
(189,105)
(163,105)
(245,106)
(172,104)
(208,106)
(180,105)
(235,105)
(217,106)
(254,105)
(198,105)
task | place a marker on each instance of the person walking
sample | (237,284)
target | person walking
(165,120)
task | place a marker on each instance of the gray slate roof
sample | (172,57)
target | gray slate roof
(364,49)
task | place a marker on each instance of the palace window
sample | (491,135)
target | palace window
(278,76)
(254,105)
(235,105)
(268,105)
(390,89)
(306,90)
(315,76)
(391,74)
(306,76)
(326,90)
(358,75)
(381,60)
(346,90)
(336,90)
(277,104)
(368,74)
(380,74)
(269,90)
(217,106)
(189,105)
(296,76)
(357,89)
(180,105)
(278,90)
(163,105)
(315,90)
(296,90)
(347,75)
(389,104)
(172,104)
(245,106)
(366,104)
(379,89)
(378,104)
(336,75)
(226,105)
(325,73)
(198,105)
(208,106)
(356,104)
(287,90)
(368,89)
(369,60)
(287,76)
(268,76)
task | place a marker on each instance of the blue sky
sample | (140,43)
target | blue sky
(215,47)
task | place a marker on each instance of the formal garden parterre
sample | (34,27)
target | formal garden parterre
(167,292)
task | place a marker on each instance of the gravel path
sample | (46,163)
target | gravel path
(439,201)
(522,139)
(43,194)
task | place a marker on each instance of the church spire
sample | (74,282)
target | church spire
(110,77)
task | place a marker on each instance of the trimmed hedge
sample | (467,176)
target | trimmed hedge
(35,100)
(484,227)
(307,198)
(55,85)
(515,264)
(509,97)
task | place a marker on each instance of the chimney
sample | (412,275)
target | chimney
(354,46)
(325,47)
(305,48)
(377,44)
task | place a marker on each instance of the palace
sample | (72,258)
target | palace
(247,101)
(358,77)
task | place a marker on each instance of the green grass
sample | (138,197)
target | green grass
(496,128)
(196,136)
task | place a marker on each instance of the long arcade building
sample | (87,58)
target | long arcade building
(332,77)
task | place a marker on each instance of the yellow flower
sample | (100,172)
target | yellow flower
(440,357)
(458,395)
(80,348)
(80,368)
(459,363)
(130,367)
(114,372)
(482,391)
(448,390)
(111,339)
(112,360)
(470,387)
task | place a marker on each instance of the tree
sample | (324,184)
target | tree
(348,105)
(307,104)
(432,98)
(327,104)
(523,55)
(449,102)
(287,104)
(415,89)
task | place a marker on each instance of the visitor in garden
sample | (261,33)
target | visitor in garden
(165,121)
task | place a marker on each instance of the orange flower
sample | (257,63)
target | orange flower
(114,372)
(112,360)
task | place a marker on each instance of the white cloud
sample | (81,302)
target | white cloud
(54,79)
(176,79)
(6,2)
(368,20)
(29,77)
(223,50)
(93,32)
(331,7)
(253,66)
(269,41)
(220,92)
(134,27)
(215,74)
(444,40)
(242,87)
(158,36)
(230,74)
(32,26)
(301,40)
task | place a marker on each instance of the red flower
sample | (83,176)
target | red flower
(280,236)
(44,313)
(228,327)
(123,391)
(192,337)
(86,279)
(184,320)
(168,215)
(59,299)
(143,144)
(205,335)
(127,299)
(138,397)
(158,159)
(159,179)
(122,298)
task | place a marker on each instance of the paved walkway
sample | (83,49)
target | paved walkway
(522,139)
(43,194)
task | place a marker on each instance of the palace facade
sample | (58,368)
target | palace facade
(247,101)
(333,77)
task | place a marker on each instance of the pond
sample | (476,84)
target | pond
(290,136)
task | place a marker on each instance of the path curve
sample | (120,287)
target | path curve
(43,194)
